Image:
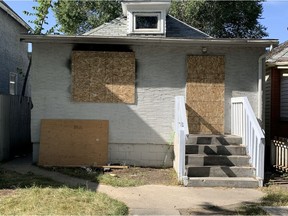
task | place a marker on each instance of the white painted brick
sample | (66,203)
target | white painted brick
(157,148)
(149,156)
(126,147)
(161,75)
(121,156)
(113,147)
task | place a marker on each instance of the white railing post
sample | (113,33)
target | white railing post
(245,124)
(181,133)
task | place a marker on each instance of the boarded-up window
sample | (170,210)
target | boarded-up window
(103,77)
(205,94)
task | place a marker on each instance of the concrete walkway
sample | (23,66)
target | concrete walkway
(153,199)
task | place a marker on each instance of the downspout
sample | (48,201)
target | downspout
(260,83)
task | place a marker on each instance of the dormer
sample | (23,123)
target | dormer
(146,17)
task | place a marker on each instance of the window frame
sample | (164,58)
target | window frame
(158,30)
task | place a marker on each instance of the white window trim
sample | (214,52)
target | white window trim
(132,17)
(156,30)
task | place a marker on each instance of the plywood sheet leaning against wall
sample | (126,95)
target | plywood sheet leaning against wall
(73,142)
(103,77)
(205,94)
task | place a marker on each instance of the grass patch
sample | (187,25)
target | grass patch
(119,181)
(59,201)
(130,177)
(13,180)
(99,176)
(29,194)
(275,196)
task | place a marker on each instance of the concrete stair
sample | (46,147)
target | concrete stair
(218,161)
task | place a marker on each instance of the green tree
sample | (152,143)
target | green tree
(78,16)
(222,19)
(40,12)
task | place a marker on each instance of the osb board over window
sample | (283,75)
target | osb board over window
(73,142)
(205,94)
(103,77)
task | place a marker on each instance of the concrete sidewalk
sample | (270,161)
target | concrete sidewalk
(153,199)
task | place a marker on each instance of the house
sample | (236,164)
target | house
(14,61)
(130,70)
(276,96)
(13,54)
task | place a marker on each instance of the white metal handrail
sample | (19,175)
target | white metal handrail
(245,124)
(181,132)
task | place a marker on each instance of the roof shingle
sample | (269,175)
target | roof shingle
(174,29)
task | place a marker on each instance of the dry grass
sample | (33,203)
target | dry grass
(59,201)
(134,176)
(30,194)
(275,196)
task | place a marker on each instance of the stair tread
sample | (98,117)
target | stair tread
(224,178)
(213,135)
(216,145)
(218,166)
(211,155)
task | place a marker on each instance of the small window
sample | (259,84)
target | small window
(147,23)
(13,83)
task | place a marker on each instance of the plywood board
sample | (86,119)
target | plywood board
(205,94)
(103,77)
(73,142)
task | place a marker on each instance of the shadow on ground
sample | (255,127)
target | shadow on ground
(12,180)
(246,208)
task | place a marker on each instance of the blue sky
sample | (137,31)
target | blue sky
(274,17)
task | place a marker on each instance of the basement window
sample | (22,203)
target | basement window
(147,23)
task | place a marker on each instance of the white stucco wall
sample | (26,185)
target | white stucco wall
(160,76)
(13,53)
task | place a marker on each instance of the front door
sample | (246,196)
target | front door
(205,94)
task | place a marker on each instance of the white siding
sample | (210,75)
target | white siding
(267,104)
(284,95)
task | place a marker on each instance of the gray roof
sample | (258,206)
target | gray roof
(14,15)
(278,55)
(174,29)
(117,27)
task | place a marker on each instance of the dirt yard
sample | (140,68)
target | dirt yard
(148,175)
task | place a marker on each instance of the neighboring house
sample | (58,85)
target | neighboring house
(14,60)
(277,94)
(129,72)
(13,54)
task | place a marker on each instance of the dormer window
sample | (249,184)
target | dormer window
(146,17)
(147,22)
(144,21)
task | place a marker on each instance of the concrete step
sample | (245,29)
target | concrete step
(214,139)
(215,149)
(236,182)
(219,171)
(220,160)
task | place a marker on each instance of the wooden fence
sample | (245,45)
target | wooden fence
(15,117)
(281,154)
